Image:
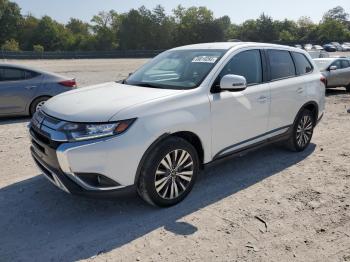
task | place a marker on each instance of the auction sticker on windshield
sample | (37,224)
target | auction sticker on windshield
(205,59)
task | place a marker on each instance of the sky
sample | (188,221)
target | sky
(237,10)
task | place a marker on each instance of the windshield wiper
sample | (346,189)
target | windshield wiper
(144,85)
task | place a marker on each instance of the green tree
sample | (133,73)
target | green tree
(77,26)
(248,31)
(80,32)
(52,35)
(233,32)
(224,23)
(337,13)
(104,29)
(146,29)
(10,20)
(307,30)
(10,45)
(266,29)
(135,30)
(287,30)
(333,30)
(38,48)
(163,28)
(196,25)
(26,37)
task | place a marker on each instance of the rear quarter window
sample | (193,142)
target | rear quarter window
(31,74)
(281,64)
(302,64)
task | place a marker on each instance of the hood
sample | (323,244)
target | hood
(99,103)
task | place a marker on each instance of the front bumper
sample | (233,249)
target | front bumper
(77,168)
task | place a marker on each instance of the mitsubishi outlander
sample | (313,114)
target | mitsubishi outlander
(185,108)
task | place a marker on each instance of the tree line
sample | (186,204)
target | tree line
(145,29)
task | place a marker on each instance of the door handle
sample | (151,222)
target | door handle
(29,87)
(300,90)
(262,99)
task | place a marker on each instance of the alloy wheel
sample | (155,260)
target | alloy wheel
(39,105)
(304,131)
(174,174)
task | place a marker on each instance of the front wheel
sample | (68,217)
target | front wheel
(302,131)
(169,172)
(37,104)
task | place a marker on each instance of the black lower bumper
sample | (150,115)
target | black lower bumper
(53,173)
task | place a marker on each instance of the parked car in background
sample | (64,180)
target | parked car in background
(338,46)
(185,108)
(318,54)
(330,48)
(298,46)
(24,90)
(346,46)
(317,47)
(308,47)
(336,71)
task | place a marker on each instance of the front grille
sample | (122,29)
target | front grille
(40,137)
(45,130)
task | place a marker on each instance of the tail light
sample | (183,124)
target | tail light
(323,80)
(68,83)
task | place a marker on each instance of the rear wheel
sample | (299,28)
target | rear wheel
(302,131)
(169,172)
(37,104)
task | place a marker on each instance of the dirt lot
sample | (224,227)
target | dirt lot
(270,205)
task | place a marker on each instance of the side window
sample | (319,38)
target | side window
(337,63)
(30,74)
(345,64)
(12,74)
(302,64)
(281,63)
(247,64)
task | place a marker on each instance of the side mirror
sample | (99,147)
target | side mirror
(233,83)
(332,68)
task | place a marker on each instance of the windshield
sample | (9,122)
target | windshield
(177,69)
(323,64)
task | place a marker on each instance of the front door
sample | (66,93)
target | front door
(240,119)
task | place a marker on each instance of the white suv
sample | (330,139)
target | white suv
(185,108)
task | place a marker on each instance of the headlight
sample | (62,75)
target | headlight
(80,131)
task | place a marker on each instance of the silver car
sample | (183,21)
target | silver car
(24,90)
(336,71)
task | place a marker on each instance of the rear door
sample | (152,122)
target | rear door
(288,91)
(17,89)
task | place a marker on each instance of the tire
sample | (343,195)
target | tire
(37,103)
(348,88)
(172,161)
(302,131)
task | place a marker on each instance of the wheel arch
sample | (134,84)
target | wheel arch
(189,136)
(312,106)
(33,100)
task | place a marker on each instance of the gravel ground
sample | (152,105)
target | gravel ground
(270,205)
